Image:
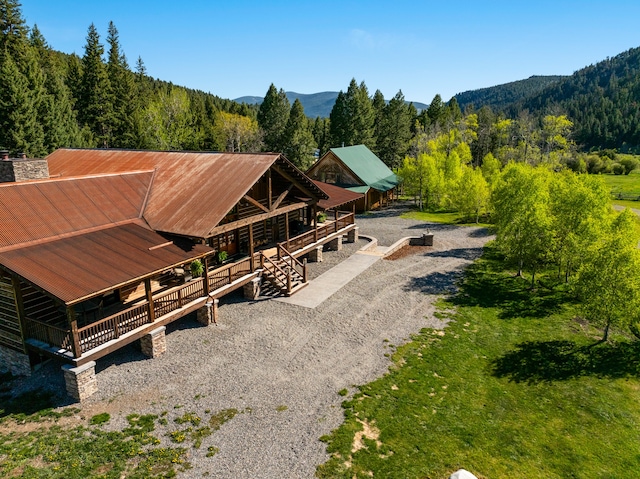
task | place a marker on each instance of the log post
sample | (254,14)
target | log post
(205,284)
(75,340)
(149,293)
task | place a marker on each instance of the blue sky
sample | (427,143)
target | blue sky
(234,48)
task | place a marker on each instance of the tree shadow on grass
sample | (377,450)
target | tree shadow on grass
(545,361)
(487,285)
(470,254)
(436,283)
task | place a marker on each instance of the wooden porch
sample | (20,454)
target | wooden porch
(125,323)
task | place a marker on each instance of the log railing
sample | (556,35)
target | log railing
(48,333)
(112,327)
(293,263)
(282,280)
(303,240)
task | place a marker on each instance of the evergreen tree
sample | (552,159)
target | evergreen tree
(20,101)
(122,93)
(378,103)
(55,113)
(272,118)
(321,134)
(13,31)
(362,115)
(298,140)
(338,122)
(436,110)
(395,132)
(95,102)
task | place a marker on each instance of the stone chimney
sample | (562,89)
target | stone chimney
(22,168)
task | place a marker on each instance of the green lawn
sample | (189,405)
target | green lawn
(515,387)
(625,184)
(452,218)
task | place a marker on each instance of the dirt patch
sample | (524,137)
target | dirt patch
(408,250)
(370,431)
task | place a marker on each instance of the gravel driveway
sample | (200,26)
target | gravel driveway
(282,365)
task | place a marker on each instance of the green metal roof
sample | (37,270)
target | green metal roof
(367,166)
(358,189)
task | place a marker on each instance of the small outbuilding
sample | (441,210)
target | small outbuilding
(357,169)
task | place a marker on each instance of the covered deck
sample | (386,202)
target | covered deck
(89,327)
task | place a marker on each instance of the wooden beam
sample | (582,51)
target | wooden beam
(282,196)
(269,190)
(255,219)
(205,264)
(252,267)
(149,292)
(294,181)
(255,203)
(22,317)
(75,340)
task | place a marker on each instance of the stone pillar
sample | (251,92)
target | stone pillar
(352,235)
(252,289)
(427,239)
(80,381)
(315,255)
(208,314)
(335,244)
(154,344)
(14,362)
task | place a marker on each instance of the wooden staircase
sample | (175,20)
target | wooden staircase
(286,274)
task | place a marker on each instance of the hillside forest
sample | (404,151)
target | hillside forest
(50,100)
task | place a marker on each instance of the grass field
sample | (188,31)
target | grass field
(626,184)
(452,218)
(513,387)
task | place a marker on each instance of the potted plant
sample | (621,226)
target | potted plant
(221,256)
(321,218)
(196,268)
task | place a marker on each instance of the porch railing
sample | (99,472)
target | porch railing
(305,239)
(48,333)
(114,326)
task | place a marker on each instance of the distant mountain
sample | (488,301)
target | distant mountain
(602,100)
(315,104)
(501,96)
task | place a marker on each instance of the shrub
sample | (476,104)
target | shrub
(618,169)
(196,268)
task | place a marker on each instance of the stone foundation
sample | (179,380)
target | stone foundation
(315,255)
(80,381)
(14,362)
(352,235)
(335,244)
(154,344)
(208,314)
(251,290)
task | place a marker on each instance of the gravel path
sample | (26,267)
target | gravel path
(282,365)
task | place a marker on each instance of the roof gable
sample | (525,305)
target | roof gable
(366,166)
(192,191)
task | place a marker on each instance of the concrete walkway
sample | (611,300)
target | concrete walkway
(325,285)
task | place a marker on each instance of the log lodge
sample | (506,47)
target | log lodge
(100,248)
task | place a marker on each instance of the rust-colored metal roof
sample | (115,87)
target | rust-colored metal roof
(77,267)
(191,192)
(337,196)
(43,209)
